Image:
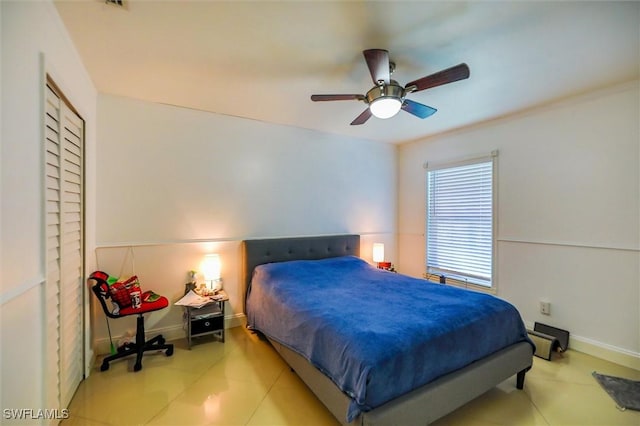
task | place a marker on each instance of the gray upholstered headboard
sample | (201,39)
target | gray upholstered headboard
(257,252)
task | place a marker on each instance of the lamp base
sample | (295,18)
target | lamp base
(215,285)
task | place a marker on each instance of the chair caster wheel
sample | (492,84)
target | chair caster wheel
(169,351)
(137,367)
(104,366)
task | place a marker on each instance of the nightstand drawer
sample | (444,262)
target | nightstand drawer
(206,311)
(207,325)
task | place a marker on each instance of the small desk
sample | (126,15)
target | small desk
(206,320)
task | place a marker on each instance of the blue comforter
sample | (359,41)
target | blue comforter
(376,334)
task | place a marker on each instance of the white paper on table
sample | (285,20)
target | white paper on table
(193,300)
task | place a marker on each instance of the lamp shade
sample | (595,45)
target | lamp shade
(211,267)
(378,252)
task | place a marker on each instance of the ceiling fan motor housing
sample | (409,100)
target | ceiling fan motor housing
(391,90)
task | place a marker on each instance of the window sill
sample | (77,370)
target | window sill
(462,284)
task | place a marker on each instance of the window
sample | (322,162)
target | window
(460,221)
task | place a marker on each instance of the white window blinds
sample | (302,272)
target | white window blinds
(460,222)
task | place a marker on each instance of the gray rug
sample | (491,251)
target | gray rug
(625,392)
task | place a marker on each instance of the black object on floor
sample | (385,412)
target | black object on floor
(548,339)
(558,333)
(625,392)
(545,344)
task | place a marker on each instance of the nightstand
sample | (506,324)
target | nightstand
(206,320)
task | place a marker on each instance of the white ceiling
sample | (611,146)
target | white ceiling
(262,60)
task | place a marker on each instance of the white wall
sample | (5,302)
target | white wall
(176,183)
(568,212)
(32,34)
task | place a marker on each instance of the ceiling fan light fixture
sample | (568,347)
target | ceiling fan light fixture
(385,100)
(385,107)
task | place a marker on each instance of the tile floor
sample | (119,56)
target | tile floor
(244,382)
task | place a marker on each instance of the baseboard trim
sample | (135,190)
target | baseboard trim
(601,350)
(174,332)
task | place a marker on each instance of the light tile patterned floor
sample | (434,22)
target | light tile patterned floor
(244,382)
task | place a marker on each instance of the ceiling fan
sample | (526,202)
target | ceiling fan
(387,97)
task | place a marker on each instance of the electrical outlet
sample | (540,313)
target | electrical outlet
(545,307)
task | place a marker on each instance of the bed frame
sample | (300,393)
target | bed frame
(420,406)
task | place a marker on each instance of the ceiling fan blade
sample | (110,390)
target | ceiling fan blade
(378,63)
(458,72)
(349,97)
(362,118)
(418,109)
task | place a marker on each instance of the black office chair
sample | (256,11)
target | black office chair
(102,291)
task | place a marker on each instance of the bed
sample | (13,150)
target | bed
(367,363)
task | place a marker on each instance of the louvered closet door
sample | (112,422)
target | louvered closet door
(52,188)
(64,145)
